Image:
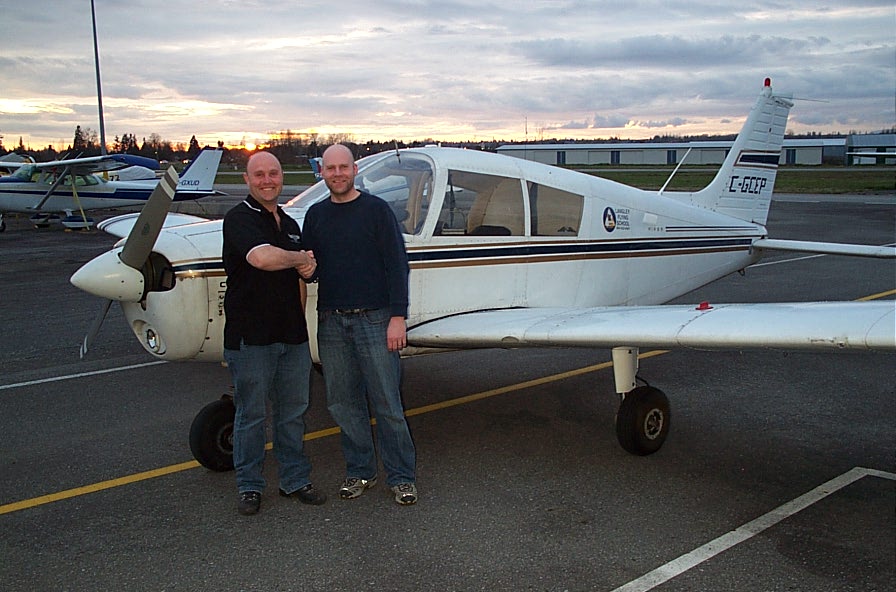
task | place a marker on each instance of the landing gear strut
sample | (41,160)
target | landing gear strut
(211,435)
(642,421)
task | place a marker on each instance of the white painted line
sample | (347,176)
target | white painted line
(79,375)
(676,567)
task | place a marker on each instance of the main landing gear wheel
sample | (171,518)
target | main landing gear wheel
(642,421)
(211,435)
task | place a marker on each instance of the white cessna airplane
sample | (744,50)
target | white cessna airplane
(64,186)
(510,253)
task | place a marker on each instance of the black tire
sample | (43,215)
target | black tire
(211,435)
(642,422)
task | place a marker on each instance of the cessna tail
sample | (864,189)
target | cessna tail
(198,179)
(506,252)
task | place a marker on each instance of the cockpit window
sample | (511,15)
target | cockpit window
(404,181)
(25,172)
(81,180)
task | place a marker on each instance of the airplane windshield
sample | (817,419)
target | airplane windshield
(25,172)
(403,180)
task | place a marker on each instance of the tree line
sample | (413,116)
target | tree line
(293,148)
(289,147)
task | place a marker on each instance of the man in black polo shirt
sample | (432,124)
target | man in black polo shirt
(265,336)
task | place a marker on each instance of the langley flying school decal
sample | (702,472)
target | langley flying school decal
(616,219)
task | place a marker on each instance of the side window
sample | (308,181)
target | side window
(554,212)
(482,205)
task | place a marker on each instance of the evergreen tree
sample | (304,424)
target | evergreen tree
(79,143)
(194,148)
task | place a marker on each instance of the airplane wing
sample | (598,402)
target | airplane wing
(91,164)
(797,326)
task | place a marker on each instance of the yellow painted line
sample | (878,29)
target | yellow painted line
(520,386)
(137,477)
(876,296)
(93,488)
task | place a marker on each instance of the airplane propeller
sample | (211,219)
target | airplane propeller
(95,326)
(118,275)
(149,224)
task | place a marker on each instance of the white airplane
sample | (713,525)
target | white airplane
(44,189)
(511,253)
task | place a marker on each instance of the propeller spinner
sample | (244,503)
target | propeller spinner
(118,274)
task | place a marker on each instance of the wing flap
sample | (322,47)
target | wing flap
(797,326)
(93,164)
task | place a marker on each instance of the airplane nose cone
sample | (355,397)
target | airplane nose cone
(107,277)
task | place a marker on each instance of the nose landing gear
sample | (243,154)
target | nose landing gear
(211,435)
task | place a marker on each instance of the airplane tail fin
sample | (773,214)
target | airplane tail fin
(743,186)
(199,176)
(315,166)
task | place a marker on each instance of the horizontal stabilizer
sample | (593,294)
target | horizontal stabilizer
(120,226)
(882,252)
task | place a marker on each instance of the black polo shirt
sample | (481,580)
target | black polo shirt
(261,307)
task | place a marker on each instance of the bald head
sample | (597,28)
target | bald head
(264,176)
(338,152)
(261,159)
(338,170)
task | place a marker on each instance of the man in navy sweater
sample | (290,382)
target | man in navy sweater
(362,304)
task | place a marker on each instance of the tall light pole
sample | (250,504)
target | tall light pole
(99,86)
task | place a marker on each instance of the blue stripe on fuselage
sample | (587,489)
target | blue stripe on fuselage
(516,251)
(577,249)
(128,194)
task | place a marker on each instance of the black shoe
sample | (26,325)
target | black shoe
(249,503)
(307,495)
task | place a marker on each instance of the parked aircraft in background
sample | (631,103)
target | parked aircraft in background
(315,166)
(46,189)
(10,162)
(506,252)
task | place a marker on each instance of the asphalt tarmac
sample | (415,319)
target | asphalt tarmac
(778,473)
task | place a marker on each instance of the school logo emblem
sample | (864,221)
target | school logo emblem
(609,220)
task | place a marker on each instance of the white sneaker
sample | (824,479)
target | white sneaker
(405,493)
(353,487)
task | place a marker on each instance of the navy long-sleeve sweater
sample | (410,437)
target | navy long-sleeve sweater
(361,259)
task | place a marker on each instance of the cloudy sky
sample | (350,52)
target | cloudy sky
(239,70)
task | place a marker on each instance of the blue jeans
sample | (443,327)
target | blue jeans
(281,373)
(358,367)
